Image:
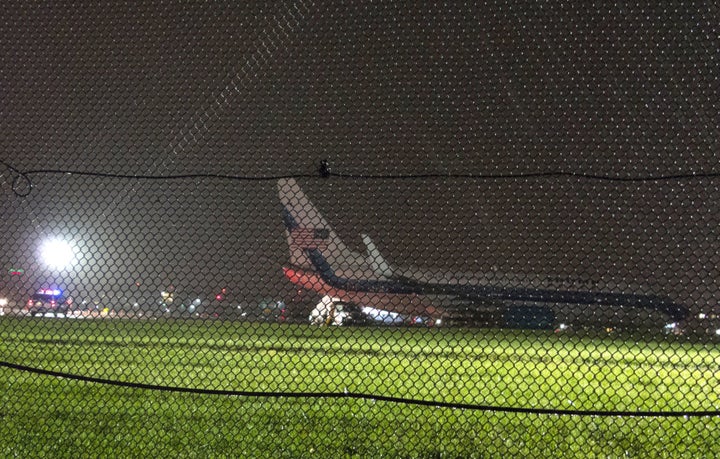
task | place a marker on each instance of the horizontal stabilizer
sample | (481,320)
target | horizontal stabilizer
(379,265)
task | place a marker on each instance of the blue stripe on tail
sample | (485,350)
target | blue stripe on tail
(288,219)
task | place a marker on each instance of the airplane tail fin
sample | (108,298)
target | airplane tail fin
(306,229)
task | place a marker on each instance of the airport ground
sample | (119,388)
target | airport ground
(47,415)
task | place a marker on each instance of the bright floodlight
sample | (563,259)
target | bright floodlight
(57,254)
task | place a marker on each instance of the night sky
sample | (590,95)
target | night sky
(384,88)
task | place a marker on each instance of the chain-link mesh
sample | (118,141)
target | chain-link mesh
(379,229)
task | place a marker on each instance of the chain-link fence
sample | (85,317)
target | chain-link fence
(377,229)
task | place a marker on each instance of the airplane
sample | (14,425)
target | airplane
(320,261)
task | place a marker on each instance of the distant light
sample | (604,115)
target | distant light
(562,326)
(50,291)
(3,302)
(57,254)
(717,332)
(702,315)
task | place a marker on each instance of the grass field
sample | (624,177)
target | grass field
(48,416)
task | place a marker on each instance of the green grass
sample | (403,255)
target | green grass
(47,416)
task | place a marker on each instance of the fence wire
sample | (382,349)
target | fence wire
(384,229)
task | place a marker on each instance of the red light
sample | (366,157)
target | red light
(218,297)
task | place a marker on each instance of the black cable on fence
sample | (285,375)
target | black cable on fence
(360,396)
(324,171)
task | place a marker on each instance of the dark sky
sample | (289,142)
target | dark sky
(168,88)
